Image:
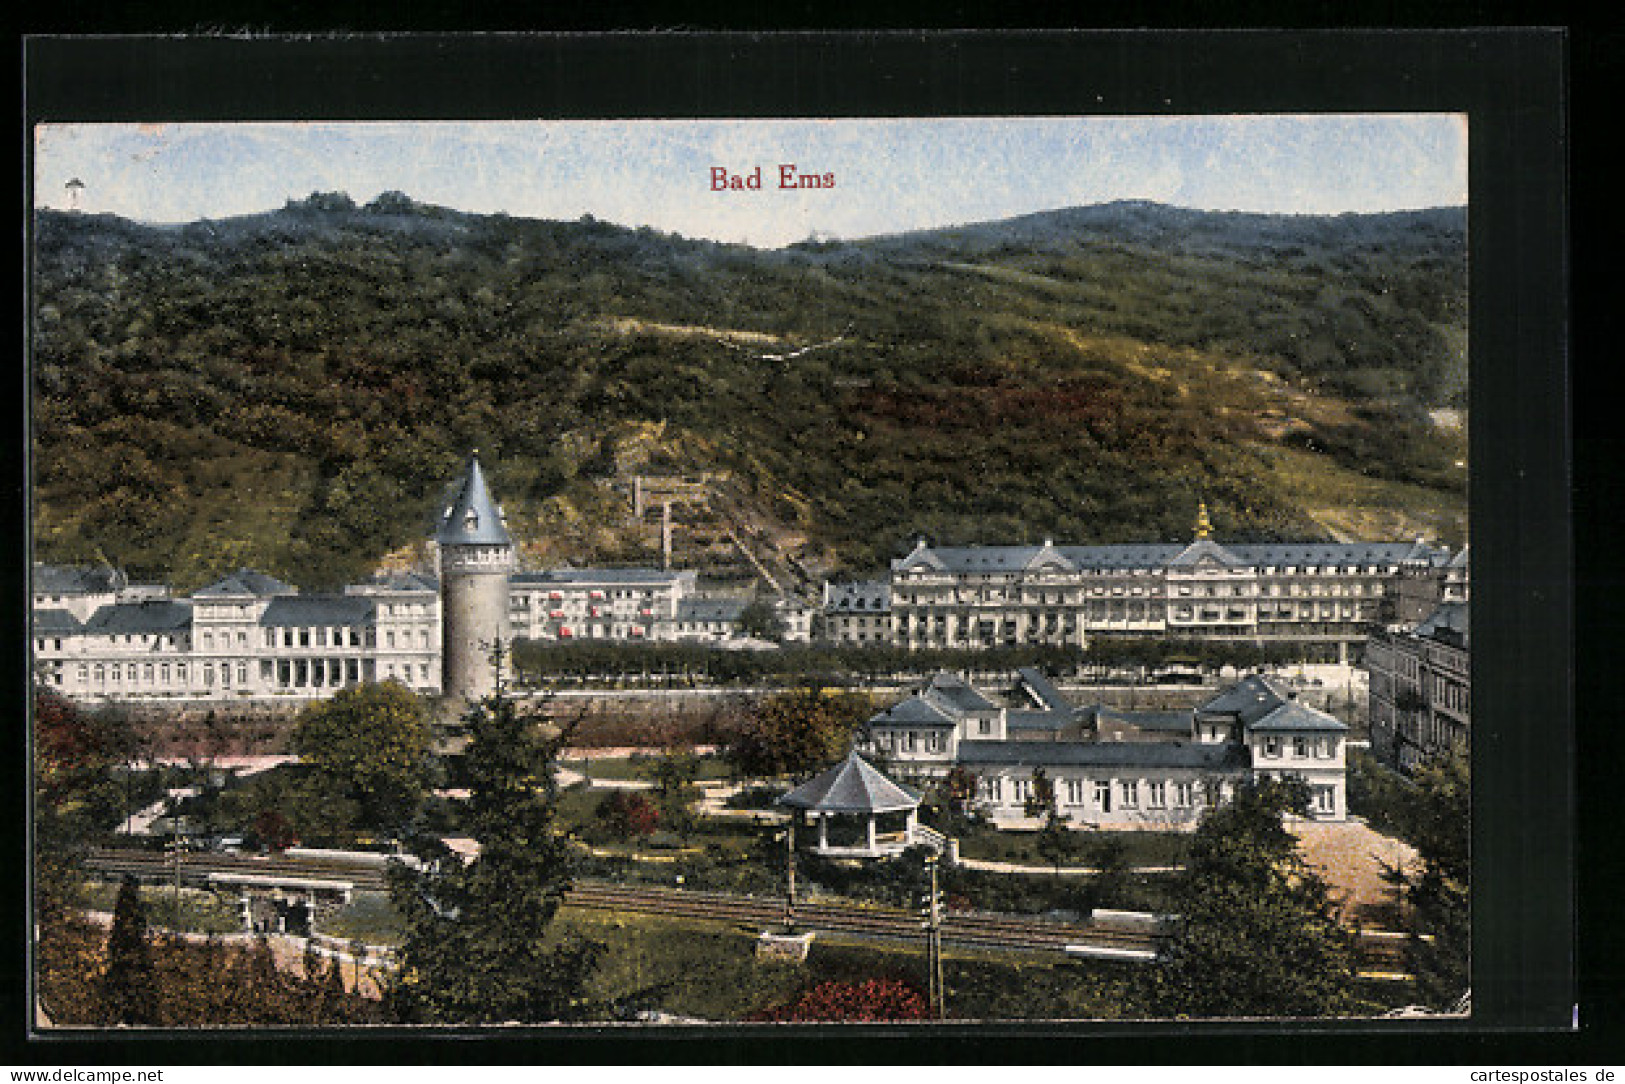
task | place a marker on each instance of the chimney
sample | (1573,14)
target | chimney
(665,535)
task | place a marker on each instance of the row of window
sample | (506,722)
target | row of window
(1108,795)
(910,741)
(286,673)
(1104,794)
(1304,747)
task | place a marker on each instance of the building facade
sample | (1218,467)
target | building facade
(1128,770)
(252,638)
(246,637)
(1420,688)
(1321,596)
(622,604)
(857,613)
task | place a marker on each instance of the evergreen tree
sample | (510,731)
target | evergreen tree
(129,988)
(480,947)
(1259,935)
(1056,841)
(1437,895)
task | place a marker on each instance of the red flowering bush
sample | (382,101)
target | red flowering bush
(625,814)
(875,999)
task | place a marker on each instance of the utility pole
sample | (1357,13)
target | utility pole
(175,898)
(933,943)
(790,875)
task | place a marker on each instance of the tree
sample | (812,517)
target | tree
(673,774)
(75,798)
(760,620)
(1438,895)
(479,945)
(129,992)
(1108,856)
(955,794)
(1258,933)
(1056,842)
(795,732)
(369,744)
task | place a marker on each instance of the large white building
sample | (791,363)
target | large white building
(252,638)
(1321,596)
(245,637)
(1109,769)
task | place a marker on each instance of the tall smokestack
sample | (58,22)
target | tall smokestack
(665,535)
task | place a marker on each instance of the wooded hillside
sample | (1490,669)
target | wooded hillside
(292,390)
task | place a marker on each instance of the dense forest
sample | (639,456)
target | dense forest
(292,390)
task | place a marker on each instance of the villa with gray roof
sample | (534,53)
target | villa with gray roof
(1110,769)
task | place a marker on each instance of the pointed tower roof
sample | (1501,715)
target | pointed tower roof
(471,518)
(852,786)
(1204,526)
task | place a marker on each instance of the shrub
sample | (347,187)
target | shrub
(624,814)
(874,999)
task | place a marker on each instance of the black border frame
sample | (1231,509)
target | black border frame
(1511,83)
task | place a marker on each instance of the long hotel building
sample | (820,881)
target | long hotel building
(1324,596)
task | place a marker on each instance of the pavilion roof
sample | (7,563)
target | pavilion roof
(852,786)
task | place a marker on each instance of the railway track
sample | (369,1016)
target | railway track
(197,868)
(971,930)
(980,930)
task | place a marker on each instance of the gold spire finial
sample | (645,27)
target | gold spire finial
(1204,526)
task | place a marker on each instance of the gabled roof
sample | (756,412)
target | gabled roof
(955,694)
(1047,556)
(55,621)
(68,580)
(1248,700)
(1461,560)
(914,710)
(318,610)
(1205,550)
(921,556)
(130,618)
(245,583)
(852,786)
(1295,716)
(470,517)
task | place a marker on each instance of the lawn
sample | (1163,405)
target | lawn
(709,971)
(1141,848)
(369,917)
(638,766)
(190,910)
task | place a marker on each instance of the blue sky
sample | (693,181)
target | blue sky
(889,175)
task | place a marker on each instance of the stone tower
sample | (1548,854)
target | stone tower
(476,557)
